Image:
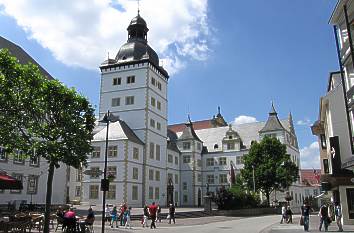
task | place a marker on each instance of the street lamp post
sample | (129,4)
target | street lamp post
(108,117)
(254,180)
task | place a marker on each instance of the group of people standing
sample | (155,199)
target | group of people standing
(325,218)
(122,216)
(286,215)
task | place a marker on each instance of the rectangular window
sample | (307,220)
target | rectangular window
(153,81)
(19,177)
(230,145)
(184,186)
(93,194)
(170,158)
(323,141)
(157,175)
(199,163)
(129,100)
(34,160)
(151,193)
(96,153)
(176,179)
(210,179)
(158,105)
(222,178)
(32,184)
(151,174)
(131,79)
(79,174)
(185,198)
(239,160)
(199,146)
(176,160)
(176,196)
(159,86)
(325,166)
(350,202)
(78,191)
(186,159)
(95,171)
(153,102)
(112,171)
(158,126)
(157,193)
(158,152)
(3,155)
(19,157)
(136,153)
(117,81)
(112,151)
(210,162)
(152,123)
(169,177)
(199,179)
(111,194)
(134,193)
(115,102)
(186,145)
(222,161)
(152,150)
(135,173)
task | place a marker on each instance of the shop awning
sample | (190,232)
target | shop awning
(9,182)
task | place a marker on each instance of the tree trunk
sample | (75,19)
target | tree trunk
(48,200)
(267,196)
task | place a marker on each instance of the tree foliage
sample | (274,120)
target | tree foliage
(42,115)
(273,167)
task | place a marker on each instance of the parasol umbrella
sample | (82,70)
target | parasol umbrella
(9,182)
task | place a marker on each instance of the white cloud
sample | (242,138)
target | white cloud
(244,119)
(310,156)
(82,32)
(304,122)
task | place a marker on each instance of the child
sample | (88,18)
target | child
(114,217)
(127,217)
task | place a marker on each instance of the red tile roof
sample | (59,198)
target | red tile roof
(310,177)
(204,124)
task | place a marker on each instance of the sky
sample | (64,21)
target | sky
(239,55)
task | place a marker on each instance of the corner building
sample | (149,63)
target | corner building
(151,161)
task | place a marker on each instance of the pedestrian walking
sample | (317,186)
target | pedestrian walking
(107,214)
(338,214)
(171,212)
(127,217)
(123,208)
(158,216)
(324,219)
(283,214)
(289,215)
(305,216)
(145,216)
(152,214)
(114,217)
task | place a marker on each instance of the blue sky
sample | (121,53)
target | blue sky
(239,55)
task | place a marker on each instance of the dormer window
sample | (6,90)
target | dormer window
(230,137)
(186,145)
(216,146)
(230,145)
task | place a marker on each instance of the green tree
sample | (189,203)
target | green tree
(42,115)
(273,167)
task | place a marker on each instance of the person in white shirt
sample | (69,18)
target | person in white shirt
(283,214)
(338,213)
(107,214)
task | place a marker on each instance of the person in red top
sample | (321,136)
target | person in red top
(153,211)
(70,213)
(123,208)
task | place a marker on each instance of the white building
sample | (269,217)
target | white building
(145,154)
(30,169)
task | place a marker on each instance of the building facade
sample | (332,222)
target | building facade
(151,161)
(334,143)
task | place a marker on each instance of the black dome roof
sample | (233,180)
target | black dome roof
(135,51)
(138,20)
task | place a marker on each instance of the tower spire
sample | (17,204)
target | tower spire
(138,7)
